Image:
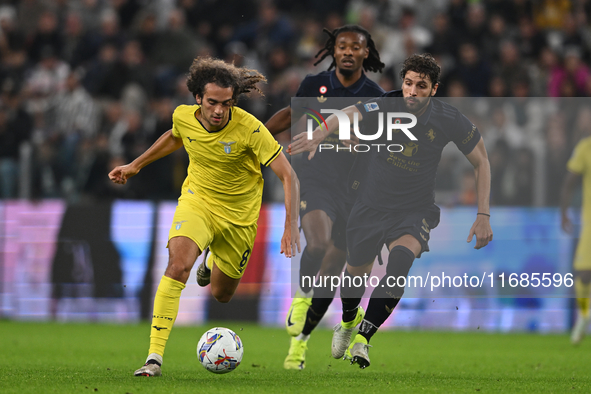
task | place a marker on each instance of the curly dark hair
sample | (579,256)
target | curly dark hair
(372,63)
(206,70)
(424,64)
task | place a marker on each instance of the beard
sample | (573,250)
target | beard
(419,105)
(346,72)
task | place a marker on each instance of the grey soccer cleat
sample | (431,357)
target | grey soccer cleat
(358,352)
(149,370)
(342,334)
(204,273)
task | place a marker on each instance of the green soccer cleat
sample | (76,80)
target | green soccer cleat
(358,352)
(204,273)
(296,358)
(296,317)
(342,334)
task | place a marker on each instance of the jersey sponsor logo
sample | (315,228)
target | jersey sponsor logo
(227,146)
(191,139)
(425,226)
(410,149)
(321,99)
(469,137)
(372,107)
(323,89)
(179,224)
(258,130)
(431,135)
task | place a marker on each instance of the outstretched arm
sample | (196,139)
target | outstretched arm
(566,194)
(481,227)
(279,122)
(165,145)
(291,188)
(301,143)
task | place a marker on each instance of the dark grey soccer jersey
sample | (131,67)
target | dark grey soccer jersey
(329,167)
(405,181)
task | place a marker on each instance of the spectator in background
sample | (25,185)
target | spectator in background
(129,69)
(108,32)
(529,41)
(76,119)
(445,39)
(473,71)
(146,33)
(46,35)
(99,69)
(173,52)
(11,39)
(73,38)
(15,129)
(571,71)
(407,38)
(269,30)
(557,154)
(510,66)
(29,12)
(46,80)
(126,11)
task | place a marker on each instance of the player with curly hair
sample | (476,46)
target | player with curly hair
(395,205)
(325,203)
(221,196)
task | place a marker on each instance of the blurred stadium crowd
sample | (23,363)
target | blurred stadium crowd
(88,84)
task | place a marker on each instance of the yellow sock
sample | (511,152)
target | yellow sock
(209,262)
(582,291)
(166,307)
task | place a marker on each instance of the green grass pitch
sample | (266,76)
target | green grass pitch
(88,358)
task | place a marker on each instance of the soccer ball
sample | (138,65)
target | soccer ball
(220,350)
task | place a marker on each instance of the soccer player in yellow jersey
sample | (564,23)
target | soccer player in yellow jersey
(579,166)
(221,196)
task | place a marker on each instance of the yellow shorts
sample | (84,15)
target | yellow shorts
(583,254)
(230,245)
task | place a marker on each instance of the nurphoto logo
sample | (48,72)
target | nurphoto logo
(393,124)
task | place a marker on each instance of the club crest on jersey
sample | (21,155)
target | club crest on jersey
(227,146)
(431,135)
(179,224)
(371,107)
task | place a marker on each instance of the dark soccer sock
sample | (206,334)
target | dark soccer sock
(309,266)
(385,297)
(350,296)
(322,298)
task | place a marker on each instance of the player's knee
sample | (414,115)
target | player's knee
(331,268)
(177,270)
(222,296)
(317,248)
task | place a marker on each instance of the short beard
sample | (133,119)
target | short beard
(420,107)
(346,73)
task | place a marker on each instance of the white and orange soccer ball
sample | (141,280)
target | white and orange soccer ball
(220,350)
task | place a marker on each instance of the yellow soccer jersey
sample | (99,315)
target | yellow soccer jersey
(224,166)
(580,163)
